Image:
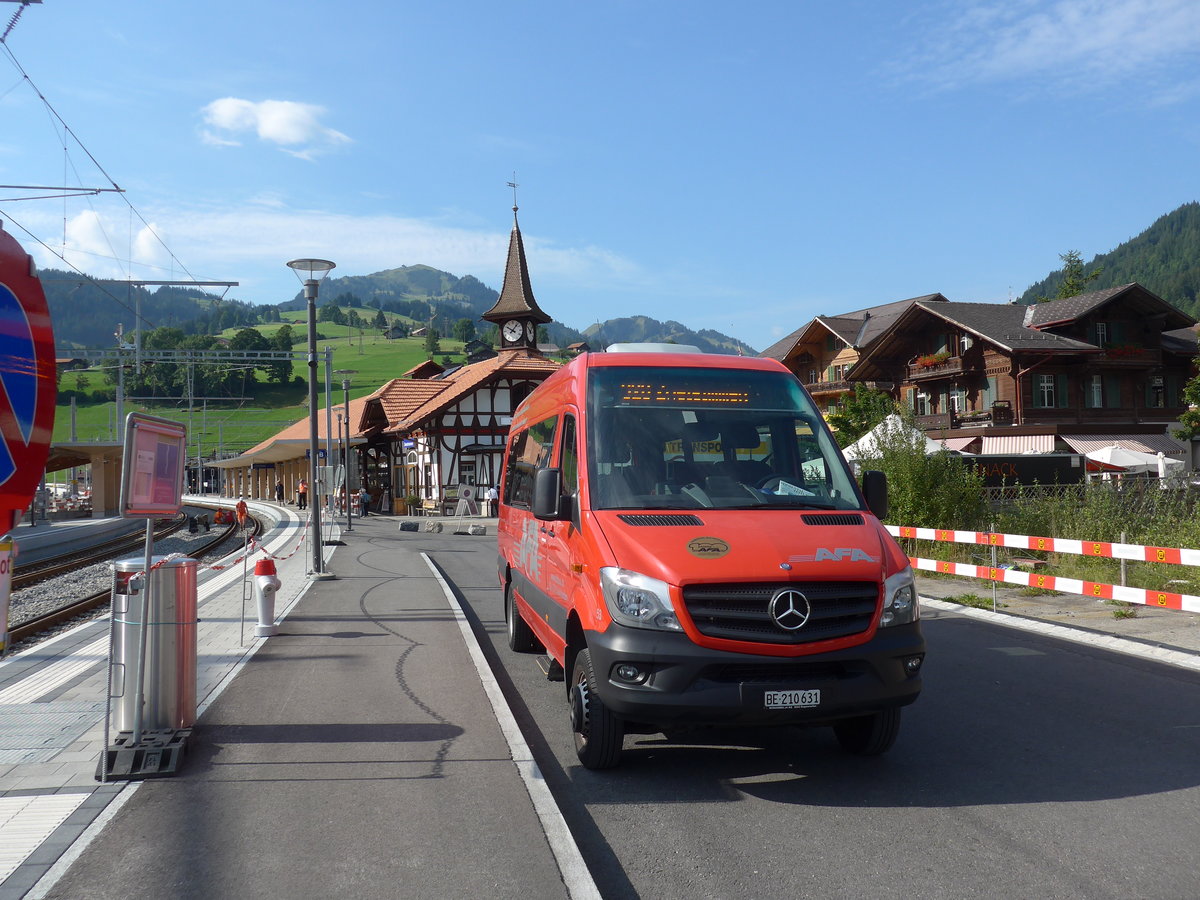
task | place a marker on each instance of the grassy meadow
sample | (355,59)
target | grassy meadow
(235,425)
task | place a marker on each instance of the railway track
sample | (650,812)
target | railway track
(37,625)
(27,575)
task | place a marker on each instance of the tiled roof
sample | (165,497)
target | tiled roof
(857,328)
(844,327)
(299,431)
(403,395)
(1002,325)
(516,295)
(1068,309)
(1181,340)
(424,369)
(467,379)
(781,348)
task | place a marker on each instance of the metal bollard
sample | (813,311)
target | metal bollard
(266,583)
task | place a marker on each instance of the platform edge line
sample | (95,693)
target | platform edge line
(61,865)
(576,876)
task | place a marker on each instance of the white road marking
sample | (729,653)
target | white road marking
(574,870)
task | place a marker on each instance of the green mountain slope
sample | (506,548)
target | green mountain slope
(1165,259)
(86,314)
(636,329)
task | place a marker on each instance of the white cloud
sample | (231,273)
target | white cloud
(294,128)
(1077,44)
(251,243)
(99,246)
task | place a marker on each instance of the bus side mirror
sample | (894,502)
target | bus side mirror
(874,488)
(547,494)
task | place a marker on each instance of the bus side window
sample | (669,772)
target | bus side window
(530,450)
(568,460)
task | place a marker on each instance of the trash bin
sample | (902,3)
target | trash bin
(169,679)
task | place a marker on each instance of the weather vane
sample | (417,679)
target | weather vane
(513,184)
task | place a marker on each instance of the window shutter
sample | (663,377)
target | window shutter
(1112,391)
(1060,387)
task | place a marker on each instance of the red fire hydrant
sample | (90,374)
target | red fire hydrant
(266,583)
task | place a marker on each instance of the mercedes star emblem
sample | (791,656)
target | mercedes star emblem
(790,609)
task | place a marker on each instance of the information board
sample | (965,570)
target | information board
(153,467)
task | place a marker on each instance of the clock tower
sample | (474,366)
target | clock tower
(516,313)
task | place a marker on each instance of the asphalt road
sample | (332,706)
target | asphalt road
(1029,767)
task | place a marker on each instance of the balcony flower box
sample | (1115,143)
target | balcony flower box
(929,360)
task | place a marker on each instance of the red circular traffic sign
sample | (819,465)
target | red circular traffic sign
(28,381)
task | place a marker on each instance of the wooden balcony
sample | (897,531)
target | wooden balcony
(1001,413)
(951,366)
(817,388)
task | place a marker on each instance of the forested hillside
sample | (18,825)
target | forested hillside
(1165,259)
(642,328)
(86,313)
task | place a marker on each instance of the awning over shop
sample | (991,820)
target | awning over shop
(1144,443)
(1014,444)
(960,444)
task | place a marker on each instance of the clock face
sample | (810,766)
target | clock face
(512,331)
(529,332)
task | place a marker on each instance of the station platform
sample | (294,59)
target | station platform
(362,751)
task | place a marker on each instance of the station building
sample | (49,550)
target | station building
(421,435)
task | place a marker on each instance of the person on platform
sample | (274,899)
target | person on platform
(364,500)
(279,491)
(302,494)
(491,495)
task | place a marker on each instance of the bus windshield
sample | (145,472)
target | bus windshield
(690,438)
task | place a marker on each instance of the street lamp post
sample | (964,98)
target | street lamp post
(346,373)
(316,269)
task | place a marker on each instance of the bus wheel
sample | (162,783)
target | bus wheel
(869,735)
(598,733)
(520,636)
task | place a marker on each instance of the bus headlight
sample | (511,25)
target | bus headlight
(900,604)
(638,600)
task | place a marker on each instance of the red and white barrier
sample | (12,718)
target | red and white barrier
(1101,549)
(1099,590)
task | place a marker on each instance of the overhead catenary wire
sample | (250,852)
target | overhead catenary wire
(60,122)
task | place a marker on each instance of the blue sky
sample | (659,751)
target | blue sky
(741,168)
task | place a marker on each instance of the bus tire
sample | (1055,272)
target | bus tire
(520,636)
(870,735)
(598,733)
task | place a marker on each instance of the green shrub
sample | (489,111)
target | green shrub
(927,490)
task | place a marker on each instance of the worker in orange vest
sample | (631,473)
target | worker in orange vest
(241,513)
(302,494)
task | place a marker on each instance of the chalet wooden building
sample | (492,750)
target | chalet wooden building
(430,429)
(1067,375)
(822,352)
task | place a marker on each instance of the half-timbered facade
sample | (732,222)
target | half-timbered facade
(439,428)
(448,430)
